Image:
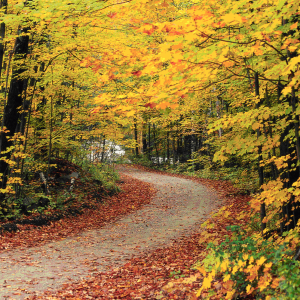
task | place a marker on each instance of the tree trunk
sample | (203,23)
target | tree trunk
(136,138)
(149,142)
(144,139)
(155,144)
(260,168)
(174,151)
(3,4)
(14,101)
(168,147)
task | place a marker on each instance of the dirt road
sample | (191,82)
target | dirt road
(177,209)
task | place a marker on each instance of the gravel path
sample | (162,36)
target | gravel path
(176,210)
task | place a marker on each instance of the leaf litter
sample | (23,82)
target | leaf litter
(165,273)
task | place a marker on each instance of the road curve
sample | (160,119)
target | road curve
(178,208)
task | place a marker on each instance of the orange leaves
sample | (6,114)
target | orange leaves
(163,105)
(219,24)
(148,28)
(112,15)
(177,46)
(264,281)
(96,110)
(228,63)
(267,38)
(294,26)
(198,18)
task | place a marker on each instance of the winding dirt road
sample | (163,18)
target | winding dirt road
(178,208)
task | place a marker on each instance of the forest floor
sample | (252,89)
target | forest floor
(141,244)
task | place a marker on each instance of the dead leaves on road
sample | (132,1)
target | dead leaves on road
(134,194)
(165,273)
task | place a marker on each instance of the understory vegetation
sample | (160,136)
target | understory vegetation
(69,190)
(244,178)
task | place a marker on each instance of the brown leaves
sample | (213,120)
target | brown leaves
(150,105)
(150,276)
(135,194)
(137,73)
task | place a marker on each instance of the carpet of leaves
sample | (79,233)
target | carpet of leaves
(166,273)
(134,194)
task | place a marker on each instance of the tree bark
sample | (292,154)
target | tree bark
(149,141)
(168,147)
(155,144)
(14,101)
(144,139)
(3,3)
(136,138)
(260,168)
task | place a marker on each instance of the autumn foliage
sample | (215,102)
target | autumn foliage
(214,81)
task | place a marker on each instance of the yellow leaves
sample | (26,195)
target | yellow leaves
(177,56)
(207,281)
(267,267)
(165,56)
(245,256)
(287,90)
(261,261)
(241,263)
(264,281)
(281,162)
(127,52)
(13,180)
(191,279)
(149,69)
(255,126)
(190,36)
(230,294)
(251,260)
(232,19)
(252,271)
(296,183)
(7,190)
(249,289)
(234,269)
(130,113)
(121,97)
(222,58)
(103,99)
(103,78)
(293,48)
(226,278)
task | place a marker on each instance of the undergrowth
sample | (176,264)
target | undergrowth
(244,178)
(93,182)
(240,261)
